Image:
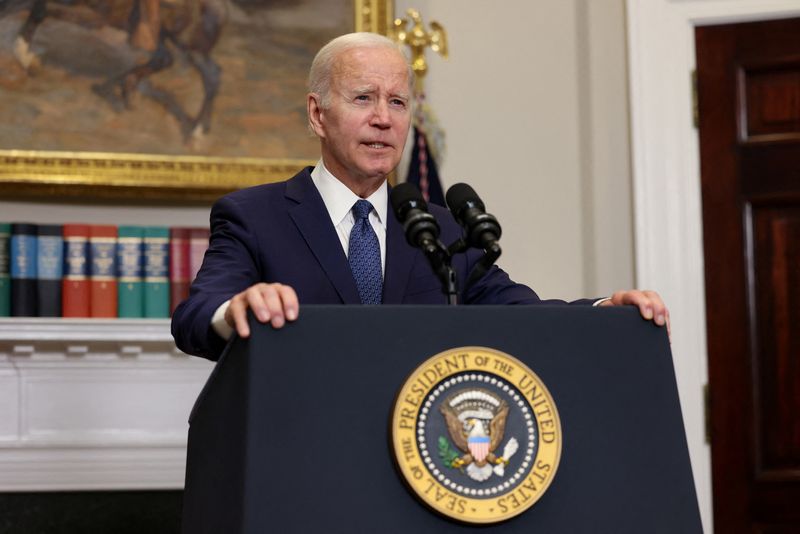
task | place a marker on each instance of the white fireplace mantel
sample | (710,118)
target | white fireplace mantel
(94,404)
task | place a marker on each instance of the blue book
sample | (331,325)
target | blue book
(49,269)
(23,270)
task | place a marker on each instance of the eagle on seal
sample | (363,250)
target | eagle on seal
(466,415)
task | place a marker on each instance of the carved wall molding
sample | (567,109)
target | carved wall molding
(94,404)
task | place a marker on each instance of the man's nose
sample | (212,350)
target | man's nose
(380,115)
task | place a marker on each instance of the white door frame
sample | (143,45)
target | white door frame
(666,185)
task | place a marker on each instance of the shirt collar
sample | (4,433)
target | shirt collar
(339,199)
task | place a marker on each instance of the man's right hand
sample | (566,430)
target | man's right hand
(271,303)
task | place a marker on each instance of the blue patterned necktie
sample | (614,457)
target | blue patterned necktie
(365,255)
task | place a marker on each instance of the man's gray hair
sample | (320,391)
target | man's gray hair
(319,77)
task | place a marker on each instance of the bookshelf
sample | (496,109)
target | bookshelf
(88,404)
(94,404)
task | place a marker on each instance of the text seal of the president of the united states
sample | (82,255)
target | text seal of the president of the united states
(476,435)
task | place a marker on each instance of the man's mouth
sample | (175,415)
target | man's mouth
(377,145)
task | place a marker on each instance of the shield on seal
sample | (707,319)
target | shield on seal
(478,446)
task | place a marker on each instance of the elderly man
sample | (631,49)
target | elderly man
(326,236)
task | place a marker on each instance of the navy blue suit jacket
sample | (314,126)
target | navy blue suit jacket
(282,233)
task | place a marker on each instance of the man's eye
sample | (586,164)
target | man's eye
(398,102)
(362,98)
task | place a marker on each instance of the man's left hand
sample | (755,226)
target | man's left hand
(649,303)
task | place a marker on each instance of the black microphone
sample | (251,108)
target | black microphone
(422,231)
(411,210)
(481,229)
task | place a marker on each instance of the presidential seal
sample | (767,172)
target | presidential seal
(476,435)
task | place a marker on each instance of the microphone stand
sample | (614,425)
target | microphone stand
(491,253)
(483,265)
(440,259)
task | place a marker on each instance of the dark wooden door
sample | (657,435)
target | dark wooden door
(749,109)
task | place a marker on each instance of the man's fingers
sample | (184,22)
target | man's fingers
(658,307)
(270,303)
(650,305)
(669,327)
(634,298)
(280,302)
(291,305)
(271,299)
(255,300)
(251,299)
(645,303)
(236,316)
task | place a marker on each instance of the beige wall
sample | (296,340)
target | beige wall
(534,103)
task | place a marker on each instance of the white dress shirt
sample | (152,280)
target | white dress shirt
(339,201)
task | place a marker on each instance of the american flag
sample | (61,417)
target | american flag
(422,170)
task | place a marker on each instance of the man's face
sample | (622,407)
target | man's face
(364,128)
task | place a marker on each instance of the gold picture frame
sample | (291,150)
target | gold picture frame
(172,179)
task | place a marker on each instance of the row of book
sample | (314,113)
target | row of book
(83,270)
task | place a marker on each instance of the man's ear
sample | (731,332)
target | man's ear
(315,112)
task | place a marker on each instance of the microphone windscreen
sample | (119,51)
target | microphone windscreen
(405,196)
(460,196)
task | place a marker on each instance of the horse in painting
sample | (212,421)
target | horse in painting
(158,29)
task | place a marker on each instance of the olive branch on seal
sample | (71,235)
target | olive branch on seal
(447,453)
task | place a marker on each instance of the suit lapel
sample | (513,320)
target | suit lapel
(313,222)
(399,260)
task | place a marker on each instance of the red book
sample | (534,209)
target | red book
(179,266)
(75,288)
(102,271)
(198,244)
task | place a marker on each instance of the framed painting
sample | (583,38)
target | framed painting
(178,100)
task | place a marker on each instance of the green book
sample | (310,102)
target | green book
(156,272)
(130,267)
(5,259)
